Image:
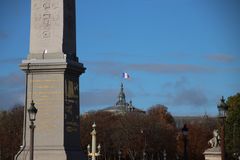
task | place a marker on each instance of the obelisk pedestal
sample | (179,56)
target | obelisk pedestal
(52,71)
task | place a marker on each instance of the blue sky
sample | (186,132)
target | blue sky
(184,54)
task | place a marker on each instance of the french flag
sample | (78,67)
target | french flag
(125,75)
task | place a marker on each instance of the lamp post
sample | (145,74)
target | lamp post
(222,109)
(32,111)
(145,144)
(93,152)
(164,155)
(119,155)
(185,138)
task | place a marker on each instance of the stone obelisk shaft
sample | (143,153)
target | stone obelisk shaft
(53,29)
(52,71)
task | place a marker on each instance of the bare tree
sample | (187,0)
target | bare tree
(10,132)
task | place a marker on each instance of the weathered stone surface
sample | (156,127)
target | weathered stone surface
(53,29)
(54,87)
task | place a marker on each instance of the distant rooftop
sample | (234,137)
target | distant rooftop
(181,120)
(121,106)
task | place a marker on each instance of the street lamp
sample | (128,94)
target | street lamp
(145,144)
(119,155)
(185,135)
(222,109)
(94,153)
(32,111)
(164,155)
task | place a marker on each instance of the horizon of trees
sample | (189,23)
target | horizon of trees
(11,125)
(232,129)
(135,134)
(152,133)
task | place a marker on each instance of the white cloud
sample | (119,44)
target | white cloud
(227,58)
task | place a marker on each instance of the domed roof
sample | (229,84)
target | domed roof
(121,106)
(121,97)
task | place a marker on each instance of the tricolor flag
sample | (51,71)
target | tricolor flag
(125,75)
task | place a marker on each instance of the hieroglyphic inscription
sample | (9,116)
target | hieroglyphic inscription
(46,14)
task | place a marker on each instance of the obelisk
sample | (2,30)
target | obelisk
(52,79)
